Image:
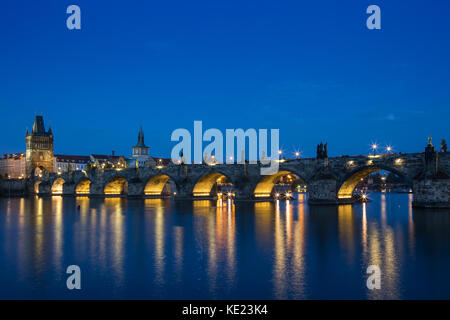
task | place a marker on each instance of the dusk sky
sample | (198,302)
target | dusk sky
(310,68)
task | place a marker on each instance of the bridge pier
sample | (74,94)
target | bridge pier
(135,189)
(96,189)
(68,189)
(244,195)
(323,190)
(431,193)
(184,189)
(44,188)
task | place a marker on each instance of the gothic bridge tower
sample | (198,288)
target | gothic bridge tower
(39,146)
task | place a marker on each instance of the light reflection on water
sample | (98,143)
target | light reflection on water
(157,248)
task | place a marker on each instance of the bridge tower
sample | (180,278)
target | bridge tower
(39,148)
(140,150)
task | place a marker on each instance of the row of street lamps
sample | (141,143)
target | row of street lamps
(374,147)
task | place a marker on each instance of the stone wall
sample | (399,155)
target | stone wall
(323,191)
(13,187)
(432,193)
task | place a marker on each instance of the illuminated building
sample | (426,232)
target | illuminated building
(39,148)
(62,163)
(12,166)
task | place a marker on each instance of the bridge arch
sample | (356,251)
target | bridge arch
(116,186)
(57,186)
(160,185)
(348,184)
(38,171)
(83,187)
(211,184)
(266,186)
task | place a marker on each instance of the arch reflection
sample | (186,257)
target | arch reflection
(380,247)
(284,223)
(214,222)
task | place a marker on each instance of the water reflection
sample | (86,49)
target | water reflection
(58,236)
(98,232)
(156,248)
(346,225)
(288,229)
(383,251)
(38,233)
(178,239)
(410,225)
(156,208)
(116,224)
(215,223)
(364,230)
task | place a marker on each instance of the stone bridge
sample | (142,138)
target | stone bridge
(328,180)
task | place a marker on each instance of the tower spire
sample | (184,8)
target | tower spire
(141,136)
(140,142)
(38,126)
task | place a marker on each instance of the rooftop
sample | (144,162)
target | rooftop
(71,158)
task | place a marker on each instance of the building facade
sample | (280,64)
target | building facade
(108,161)
(12,166)
(39,149)
(64,163)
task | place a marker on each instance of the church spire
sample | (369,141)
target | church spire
(141,137)
(140,142)
(140,149)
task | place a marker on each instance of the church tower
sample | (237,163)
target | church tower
(140,150)
(39,144)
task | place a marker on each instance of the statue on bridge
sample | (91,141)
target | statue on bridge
(443,146)
(322,151)
(430,148)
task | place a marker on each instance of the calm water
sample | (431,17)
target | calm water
(201,250)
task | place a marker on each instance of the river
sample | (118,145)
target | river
(165,249)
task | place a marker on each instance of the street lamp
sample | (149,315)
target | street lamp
(389,149)
(374,148)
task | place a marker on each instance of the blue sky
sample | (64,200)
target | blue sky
(310,68)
